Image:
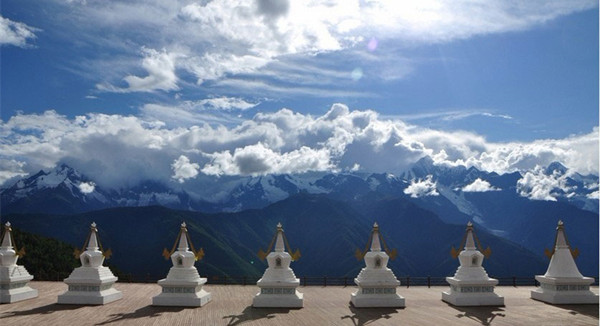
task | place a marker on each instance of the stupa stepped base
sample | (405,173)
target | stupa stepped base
(278,298)
(14,284)
(180,293)
(472,299)
(90,286)
(194,299)
(377,292)
(374,300)
(472,293)
(564,290)
(566,297)
(91,276)
(88,295)
(19,292)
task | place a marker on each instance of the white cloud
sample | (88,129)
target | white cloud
(116,151)
(422,188)
(15,33)
(577,152)
(183,169)
(451,115)
(265,88)
(594,195)
(185,114)
(10,169)
(479,185)
(226,103)
(537,185)
(223,39)
(160,67)
(87,187)
(259,160)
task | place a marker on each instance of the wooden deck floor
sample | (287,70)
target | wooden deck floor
(231,305)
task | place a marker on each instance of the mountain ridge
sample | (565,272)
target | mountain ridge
(454,195)
(327,232)
(64,186)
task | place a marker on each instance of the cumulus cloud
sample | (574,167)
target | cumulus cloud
(259,160)
(594,195)
(183,169)
(15,33)
(537,185)
(273,8)
(116,151)
(87,187)
(479,185)
(577,152)
(422,188)
(160,67)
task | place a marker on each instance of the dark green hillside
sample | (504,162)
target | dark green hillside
(137,237)
(45,258)
(532,224)
(423,242)
(326,231)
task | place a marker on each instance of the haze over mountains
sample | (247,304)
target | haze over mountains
(422,213)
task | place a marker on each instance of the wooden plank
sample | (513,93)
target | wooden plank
(231,305)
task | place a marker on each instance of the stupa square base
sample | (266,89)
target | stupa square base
(564,290)
(472,299)
(197,299)
(90,298)
(17,294)
(564,297)
(377,301)
(14,284)
(262,300)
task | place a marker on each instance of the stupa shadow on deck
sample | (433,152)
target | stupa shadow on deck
(144,312)
(482,314)
(252,314)
(579,309)
(43,310)
(364,316)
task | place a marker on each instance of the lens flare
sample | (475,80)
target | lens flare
(372,45)
(357,74)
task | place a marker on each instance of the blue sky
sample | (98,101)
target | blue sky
(459,81)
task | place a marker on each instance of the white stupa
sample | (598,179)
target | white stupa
(91,283)
(183,285)
(278,284)
(563,283)
(377,284)
(470,285)
(14,279)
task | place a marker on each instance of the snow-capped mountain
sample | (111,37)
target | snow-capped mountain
(453,193)
(459,176)
(513,206)
(61,176)
(62,190)
(577,189)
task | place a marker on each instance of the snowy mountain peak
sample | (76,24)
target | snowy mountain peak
(556,167)
(456,185)
(423,167)
(61,176)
